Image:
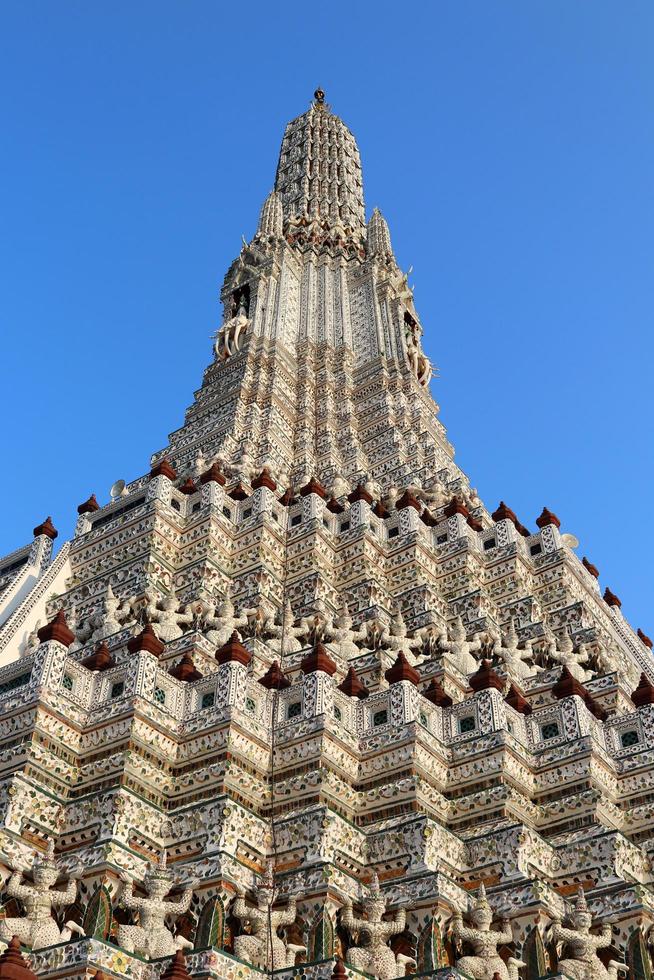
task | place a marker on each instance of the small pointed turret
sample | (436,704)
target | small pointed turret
(379,237)
(271,219)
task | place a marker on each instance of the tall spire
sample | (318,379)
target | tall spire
(319,172)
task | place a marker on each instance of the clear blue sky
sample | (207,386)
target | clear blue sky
(509,144)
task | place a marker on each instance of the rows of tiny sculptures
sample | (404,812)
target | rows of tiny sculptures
(263,947)
(517,658)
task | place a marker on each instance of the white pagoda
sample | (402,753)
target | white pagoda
(295,699)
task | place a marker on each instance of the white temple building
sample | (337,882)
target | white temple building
(296,699)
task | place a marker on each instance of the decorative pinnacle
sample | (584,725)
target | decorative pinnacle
(319,96)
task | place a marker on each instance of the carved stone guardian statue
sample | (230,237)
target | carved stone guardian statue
(152,938)
(485,963)
(580,960)
(374,955)
(37,928)
(263,947)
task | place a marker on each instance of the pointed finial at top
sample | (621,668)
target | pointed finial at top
(319,96)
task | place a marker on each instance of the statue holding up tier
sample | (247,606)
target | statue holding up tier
(263,947)
(220,622)
(580,946)
(486,963)
(37,928)
(374,956)
(513,659)
(459,649)
(168,617)
(152,938)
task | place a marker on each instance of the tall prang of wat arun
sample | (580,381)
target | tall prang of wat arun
(296,699)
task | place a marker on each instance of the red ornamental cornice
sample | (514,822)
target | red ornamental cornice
(13,965)
(89,506)
(475,524)
(408,500)
(402,670)
(185,670)
(504,513)
(233,652)
(214,475)
(148,641)
(610,598)
(353,686)
(239,492)
(359,493)
(163,468)
(516,700)
(644,693)
(434,692)
(456,506)
(176,969)
(264,480)
(380,511)
(287,498)
(644,638)
(334,506)
(313,486)
(546,518)
(57,630)
(274,679)
(428,518)
(100,659)
(188,487)
(318,659)
(588,565)
(47,528)
(485,678)
(339,972)
(567,686)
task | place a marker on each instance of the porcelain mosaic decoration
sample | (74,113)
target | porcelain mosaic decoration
(296,699)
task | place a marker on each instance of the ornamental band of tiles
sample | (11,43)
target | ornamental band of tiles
(295,698)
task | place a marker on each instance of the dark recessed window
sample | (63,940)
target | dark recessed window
(535,549)
(629,738)
(467,724)
(423,718)
(159,695)
(247,513)
(490,543)
(345,525)
(250,705)
(551,730)
(393,532)
(208,699)
(117,689)
(227,512)
(296,520)
(441,539)
(338,714)
(195,508)
(294,710)
(175,504)
(67,682)
(380,718)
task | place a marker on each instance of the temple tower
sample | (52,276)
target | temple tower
(299,655)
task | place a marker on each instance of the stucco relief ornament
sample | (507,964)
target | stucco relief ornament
(263,947)
(230,337)
(38,928)
(564,653)
(511,657)
(220,621)
(168,617)
(416,358)
(374,955)
(580,960)
(152,938)
(485,963)
(458,649)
